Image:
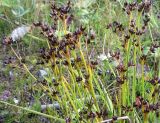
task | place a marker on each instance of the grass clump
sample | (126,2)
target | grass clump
(77,88)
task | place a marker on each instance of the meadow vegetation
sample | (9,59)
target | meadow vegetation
(80,61)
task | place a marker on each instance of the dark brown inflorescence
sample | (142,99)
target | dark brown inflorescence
(133,54)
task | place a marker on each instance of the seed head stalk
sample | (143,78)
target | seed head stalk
(68,95)
(34,112)
(91,89)
(125,86)
(25,67)
(142,79)
(134,75)
(89,71)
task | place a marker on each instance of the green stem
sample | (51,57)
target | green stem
(104,95)
(69,97)
(32,111)
(134,76)
(142,81)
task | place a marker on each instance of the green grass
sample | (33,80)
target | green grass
(86,88)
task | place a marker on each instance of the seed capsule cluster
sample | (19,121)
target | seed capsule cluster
(7,40)
(66,57)
(153,47)
(74,72)
(144,105)
(143,7)
(132,45)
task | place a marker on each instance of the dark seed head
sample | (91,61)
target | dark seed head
(78,79)
(114,118)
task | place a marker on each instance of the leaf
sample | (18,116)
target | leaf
(8,3)
(36,106)
(4,112)
(5,3)
(157,53)
(84,3)
(146,50)
(154,21)
(20,11)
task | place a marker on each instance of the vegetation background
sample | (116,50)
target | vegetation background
(16,82)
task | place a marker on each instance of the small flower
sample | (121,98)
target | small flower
(16,101)
(42,73)
(103,56)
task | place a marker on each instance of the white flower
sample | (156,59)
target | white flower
(19,32)
(43,73)
(16,101)
(103,56)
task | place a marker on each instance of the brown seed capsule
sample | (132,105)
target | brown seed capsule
(147,6)
(23,60)
(138,102)
(68,36)
(68,120)
(78,59)
(44,27)
(109,26)
(69,19)
(99,114)
(91,115)
(119,80)
(152,81)
(139,32)
(78,79)
(82,28)
(128,11)
(127,36)
(125,4)
(86,76)
(57,62)
(54,93)
(133,24)
(65,62)
(121,68)
(114,118)
(143,57)
(157,114)
(53,65)
(44,82)
(131,31)
(141,6)
(37,23)
(146,110)
(56,84)
(39,62)
(94,63)
(130,64)
(7,40)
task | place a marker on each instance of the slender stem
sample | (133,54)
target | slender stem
(92,88)
(37,38)
(25,67)
(32,111)
(134,76)
(142,81)
(69,97)
(104,95)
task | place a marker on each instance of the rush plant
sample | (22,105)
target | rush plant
(77,87)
